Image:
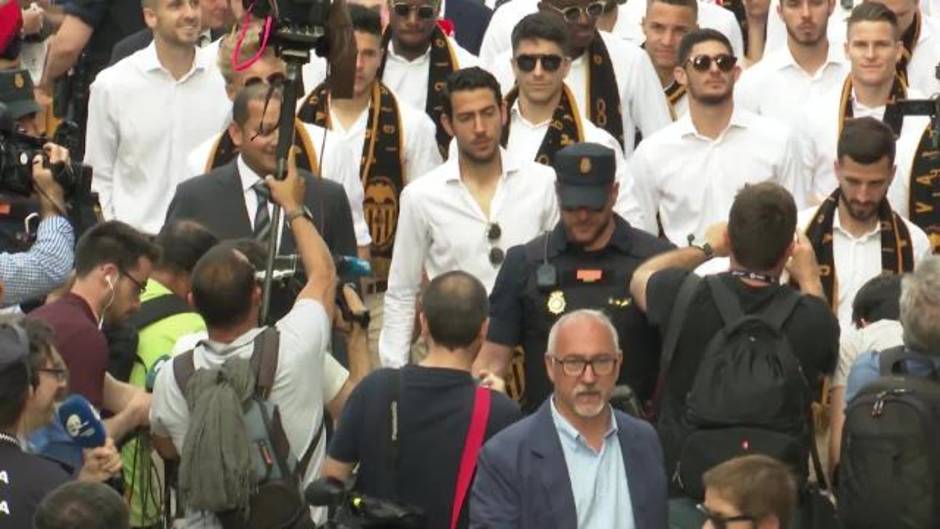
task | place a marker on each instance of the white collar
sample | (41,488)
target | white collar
(149,61)
(510,166)
(517,111)
(837,225)
(246,174)
(686,127)
(425,57)
(783,59)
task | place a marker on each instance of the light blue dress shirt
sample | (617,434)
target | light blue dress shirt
(598,478)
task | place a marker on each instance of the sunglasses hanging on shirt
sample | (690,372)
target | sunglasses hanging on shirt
(493,233)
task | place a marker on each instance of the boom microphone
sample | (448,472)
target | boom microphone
(81,422)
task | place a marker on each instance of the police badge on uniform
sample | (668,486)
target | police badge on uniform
(556,302)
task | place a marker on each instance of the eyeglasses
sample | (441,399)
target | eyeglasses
(702,63)
(720,521)
(61,374)
(550,62)
(493,233)
(574,366)
(574,13)
(404,10)
(140,286)
(275,79)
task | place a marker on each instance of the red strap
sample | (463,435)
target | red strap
(471,447)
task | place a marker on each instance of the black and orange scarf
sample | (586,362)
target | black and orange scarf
(909,41)
(897,251)
(892,116)
(564,128)
(381,167)
(602,90)
(224,150)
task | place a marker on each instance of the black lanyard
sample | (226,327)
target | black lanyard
(756,276)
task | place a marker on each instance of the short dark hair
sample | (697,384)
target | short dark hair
(878,299)
(182,243)
(866,141)
(870,11)
(41,341)
(455,306)
(699,36)
(17,376)
(223,282)
(761,225)
(467,79)
(541,25)
(113,242)
(248,94)
(365,20)
(757,486)
(690,4)
(82,505)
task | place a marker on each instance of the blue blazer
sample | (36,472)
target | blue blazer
(522,479)
(470,18)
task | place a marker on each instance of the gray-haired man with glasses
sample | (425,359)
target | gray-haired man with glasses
(576,462)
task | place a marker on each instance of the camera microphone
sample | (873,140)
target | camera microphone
(81,422)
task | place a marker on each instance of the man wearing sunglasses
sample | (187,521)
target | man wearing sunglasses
(465,213)
(686,175)
(612,81)
(664,25)
(749,492)
(576,462)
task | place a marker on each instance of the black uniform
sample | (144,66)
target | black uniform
(522,312)
(24,480)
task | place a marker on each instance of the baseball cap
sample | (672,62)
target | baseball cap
(584,172)
(16,92)
(14,346)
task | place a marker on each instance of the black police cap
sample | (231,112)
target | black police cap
(584,174)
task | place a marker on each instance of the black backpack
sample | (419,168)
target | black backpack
(749,394)
(889,469)
(123,340)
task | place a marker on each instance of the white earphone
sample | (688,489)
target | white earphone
(110,282)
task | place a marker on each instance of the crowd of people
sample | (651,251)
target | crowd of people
(521,264)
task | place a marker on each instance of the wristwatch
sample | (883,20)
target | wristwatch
(303,211)
(706,248)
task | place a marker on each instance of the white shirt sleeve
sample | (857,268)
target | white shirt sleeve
(334,376)
(794,172)
(169,415)
(849,345)
(101,146)
(404,282)
(638,202)
(343,167)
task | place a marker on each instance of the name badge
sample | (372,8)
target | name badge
(589,275)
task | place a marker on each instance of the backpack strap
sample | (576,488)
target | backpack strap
(156,309)
(183,368)
(781,308)
(474,441)
(729,307)
(680,309)
(264,360)
(891,362)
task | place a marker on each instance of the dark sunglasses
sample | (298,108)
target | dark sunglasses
(550,62)
(275,79)
(719,521)
(493,233)
(702,63)
(574,13)
(404,10)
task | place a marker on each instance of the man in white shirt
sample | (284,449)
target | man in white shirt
(466,213)
(336,161)
(418,58)
(855,233)
(228,297)
(543,115)
(687,174)
(710,15)
(780,84)
(392,143)
(664,25)
(613,81)
(873,50)
(147,112)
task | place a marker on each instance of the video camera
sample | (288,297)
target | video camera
(358,511)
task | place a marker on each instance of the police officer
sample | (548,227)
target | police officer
(586,261)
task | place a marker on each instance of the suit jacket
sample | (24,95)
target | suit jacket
(522,479)
(470,18)
(216,201)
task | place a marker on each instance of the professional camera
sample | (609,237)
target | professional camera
(358,511)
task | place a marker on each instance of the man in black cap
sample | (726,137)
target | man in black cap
(586,261)
(16,93)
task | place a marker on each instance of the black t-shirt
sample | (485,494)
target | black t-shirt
(434,415)
(111,21)
(812,330)
(25,479)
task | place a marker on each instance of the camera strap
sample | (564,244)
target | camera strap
(394,396)
(471,448)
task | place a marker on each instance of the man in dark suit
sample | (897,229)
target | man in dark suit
(231,202)
(470,18)
(576,462)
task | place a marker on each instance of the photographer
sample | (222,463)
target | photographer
(46,265)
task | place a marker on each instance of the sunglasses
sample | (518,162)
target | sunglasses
(702,63)
(574,13)
(493,233)
(404,10)
(275,79)
(550,62)
(720,521)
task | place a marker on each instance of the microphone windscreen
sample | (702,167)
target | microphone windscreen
(81,422)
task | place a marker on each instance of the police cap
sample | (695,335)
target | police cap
(16,92)
(584,172)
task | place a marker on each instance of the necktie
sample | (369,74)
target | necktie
(262,225)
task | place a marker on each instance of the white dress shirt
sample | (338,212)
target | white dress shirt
(630,19)
(777,87)
(691,180)
(409,79)
(819,137)
(642,102)
(858,259)
(498,36)
(877,336)
(336,163)
(441,227)
(142,124)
